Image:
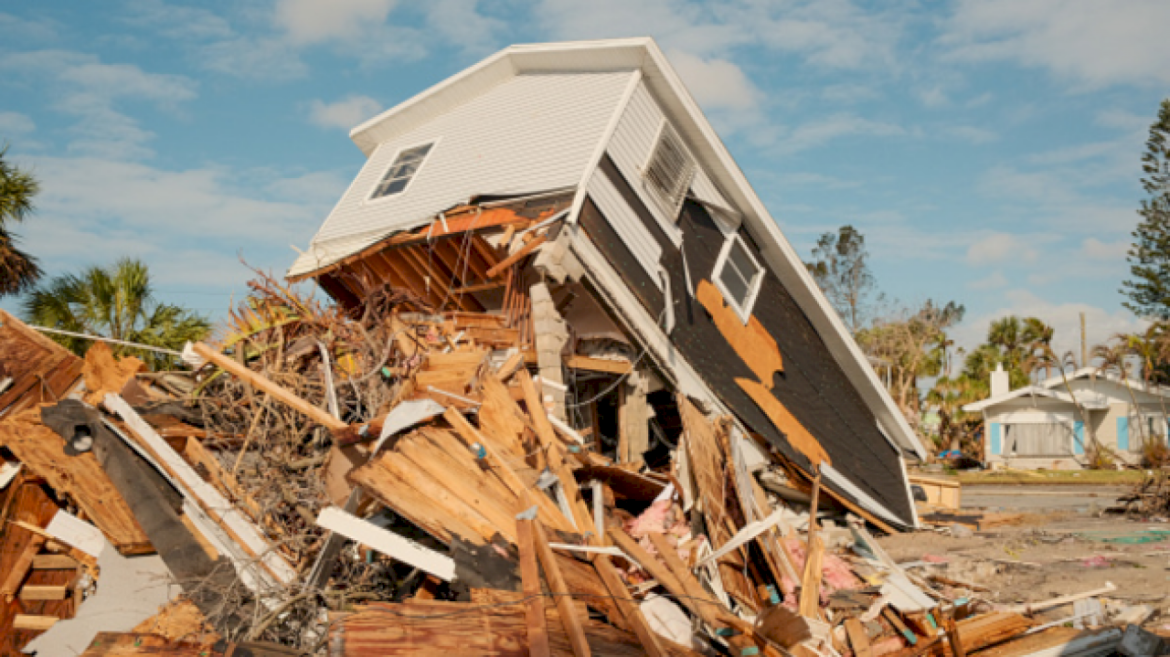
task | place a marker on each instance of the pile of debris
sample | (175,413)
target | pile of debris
(395,481)
(1149,499)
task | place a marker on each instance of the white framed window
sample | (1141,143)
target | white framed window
(669,171)
(738,275)
(402,170)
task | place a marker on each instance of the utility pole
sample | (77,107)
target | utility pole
(1084,348)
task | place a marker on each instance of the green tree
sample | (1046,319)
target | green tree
(114,302)
(913,344)
(840,267)
(1148,290)
(1011,341)
(18,270)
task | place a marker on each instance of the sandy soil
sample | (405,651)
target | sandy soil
(1064,545)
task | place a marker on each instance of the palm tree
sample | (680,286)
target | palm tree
(18,270)
(1114,358)
(114,302)
(1046,357)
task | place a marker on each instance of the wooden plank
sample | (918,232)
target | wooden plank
(556,584)
(510,366)
(810,583)
(530,584)
(79,478)
(657,569)
(43,592)
(858,637)
(15,576)
(388,543)
(634,616)
(274,390)
(33,623)
(54,562)
(249,536)
(579,362)
(516,257)
(540,422)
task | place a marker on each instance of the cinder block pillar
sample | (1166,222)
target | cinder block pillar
(551,336)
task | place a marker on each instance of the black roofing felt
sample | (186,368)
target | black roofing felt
(813,387)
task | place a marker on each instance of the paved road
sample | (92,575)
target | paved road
(1038,499)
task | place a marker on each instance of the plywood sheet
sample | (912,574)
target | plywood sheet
(80,477)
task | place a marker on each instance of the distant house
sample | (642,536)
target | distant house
(1039,426)
(576,193)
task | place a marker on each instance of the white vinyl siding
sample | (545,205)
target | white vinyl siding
(631,146)
(529,133)
(626,223)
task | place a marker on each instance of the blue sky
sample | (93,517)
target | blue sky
(990,151)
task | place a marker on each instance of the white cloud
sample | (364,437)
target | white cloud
(191,225)
(994,281)
(715,83)
(1100,324)
(972,134)
(1090,43)
(345,114)
(15,124)
(312,21)
(999,247)
(934,97)
(460,23)
(90,90)
(1098,250)
(821,131)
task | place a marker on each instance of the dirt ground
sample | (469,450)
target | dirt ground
(1064,544)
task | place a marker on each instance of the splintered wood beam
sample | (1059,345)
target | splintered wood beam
(530,583)
(478,287)
(516,257)
(634,617)
(657,569)
(810,583)
(264,384)
(540,422)
(710,610)
(561,592)
(858,637)
(510,366)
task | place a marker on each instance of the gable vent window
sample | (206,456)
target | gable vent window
(402,171)
(738,276)
(669,172)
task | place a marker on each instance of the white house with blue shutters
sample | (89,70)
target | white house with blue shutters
(1040,426)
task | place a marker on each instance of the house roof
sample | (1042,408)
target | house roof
(644,55)
(1052,388)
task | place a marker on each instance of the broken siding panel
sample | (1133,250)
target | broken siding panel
(626,222)
(631,145)
(529,133)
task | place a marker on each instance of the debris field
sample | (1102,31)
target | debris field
(388,478)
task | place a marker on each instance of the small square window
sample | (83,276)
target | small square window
(738,276)
(402,170)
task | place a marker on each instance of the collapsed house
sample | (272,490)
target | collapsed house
(576,396)
(578,193)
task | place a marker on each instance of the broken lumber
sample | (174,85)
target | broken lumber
(530,583)
(556,585)
(233,367)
